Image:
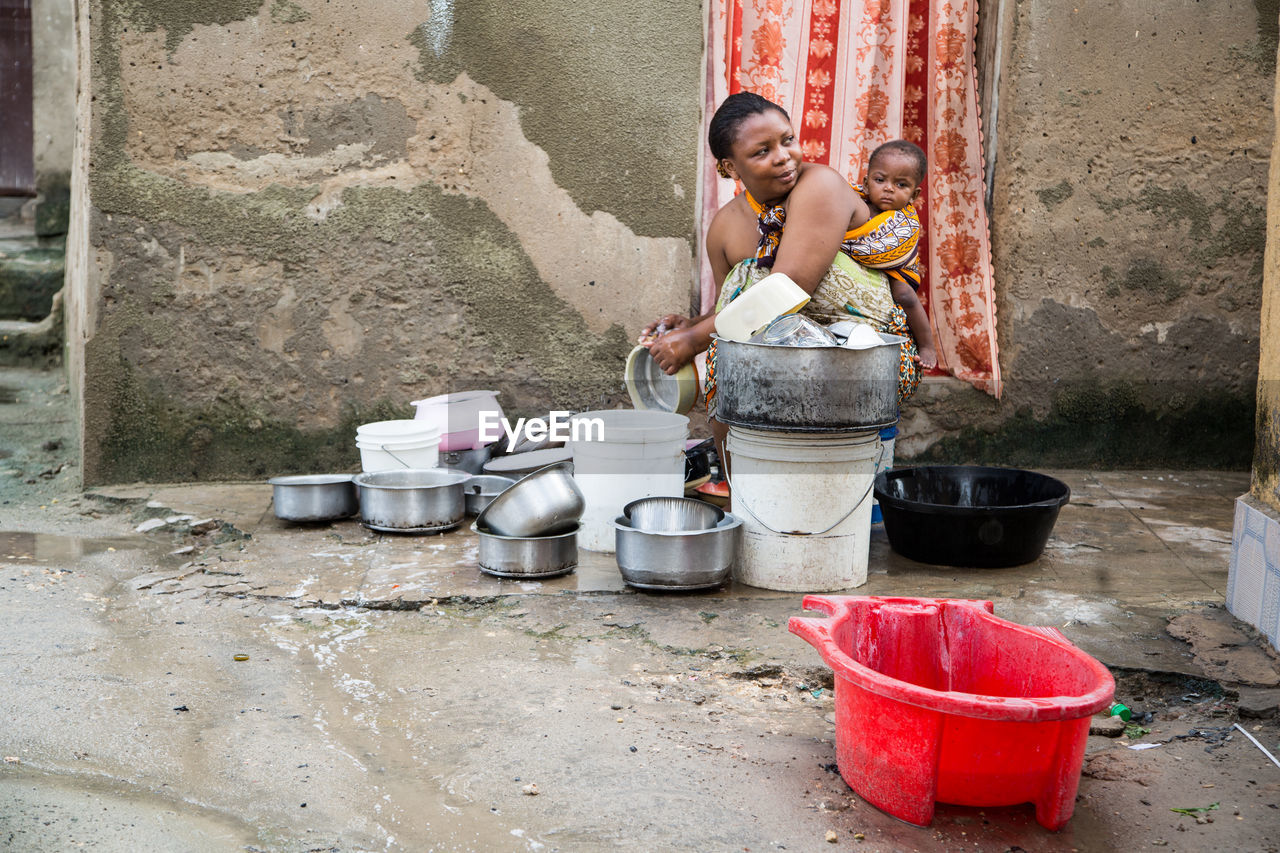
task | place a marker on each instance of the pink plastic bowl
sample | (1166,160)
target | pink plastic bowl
(938,700)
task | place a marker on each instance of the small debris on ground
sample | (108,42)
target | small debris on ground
(1106,726)
(530,790)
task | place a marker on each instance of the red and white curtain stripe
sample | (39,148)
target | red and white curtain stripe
(856,73)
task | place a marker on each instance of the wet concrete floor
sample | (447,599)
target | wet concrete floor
(247,684)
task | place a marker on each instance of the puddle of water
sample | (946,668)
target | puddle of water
(24,546)
(44,811)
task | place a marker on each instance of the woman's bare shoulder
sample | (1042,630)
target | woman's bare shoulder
(819,177)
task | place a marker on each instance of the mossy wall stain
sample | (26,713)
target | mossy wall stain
(1146,278)
(1112,425)
(179,17)
(1056,194)
(472,312)
(1078,395)
(595,77)
(1226,229)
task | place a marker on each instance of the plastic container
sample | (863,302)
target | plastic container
(622,455)
(794,330)
(805,504)
(459,417)
(888,436)
(759,305)
(389,445)
(968,515)
(940,700)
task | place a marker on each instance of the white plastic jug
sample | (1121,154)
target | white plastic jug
(758,306)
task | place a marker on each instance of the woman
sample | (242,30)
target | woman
(792,218)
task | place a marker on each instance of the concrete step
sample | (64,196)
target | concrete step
(31,272)
(26,343)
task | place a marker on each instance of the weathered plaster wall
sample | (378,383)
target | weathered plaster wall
(1128,226)
(304,215)
(1266,455)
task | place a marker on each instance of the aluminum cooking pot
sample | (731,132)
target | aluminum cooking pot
(807,389)
(412,500)
(483,489)
(679,560)
(313,497)
(527,556)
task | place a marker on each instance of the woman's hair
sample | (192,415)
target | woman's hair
(733,111)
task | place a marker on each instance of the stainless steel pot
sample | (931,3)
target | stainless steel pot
(412,500)
(686,560)
(545,502)
(807,389)
(471,461)
(527,556)
(314,497)
(480,491)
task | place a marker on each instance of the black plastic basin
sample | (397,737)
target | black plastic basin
(968,515)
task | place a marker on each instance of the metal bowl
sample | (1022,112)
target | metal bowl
(672,515)
(412,500)
(314,497)
(527,556)
(685,560)
(545,502)
(480,491)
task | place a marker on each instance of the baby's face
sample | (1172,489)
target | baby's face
(892,182)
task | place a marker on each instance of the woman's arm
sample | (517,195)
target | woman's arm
(820,209)
(678,347)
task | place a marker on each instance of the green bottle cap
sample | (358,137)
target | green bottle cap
(1121,711)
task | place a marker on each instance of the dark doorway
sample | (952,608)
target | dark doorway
(17,159)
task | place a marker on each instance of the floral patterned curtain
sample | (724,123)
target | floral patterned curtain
(853,74)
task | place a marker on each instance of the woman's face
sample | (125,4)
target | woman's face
(766,156)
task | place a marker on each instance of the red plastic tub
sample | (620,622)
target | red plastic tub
(939,700)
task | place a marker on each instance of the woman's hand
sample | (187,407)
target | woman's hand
(675,349)
(661,326)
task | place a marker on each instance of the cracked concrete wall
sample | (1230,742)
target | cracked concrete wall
(1128,225)
(305,215)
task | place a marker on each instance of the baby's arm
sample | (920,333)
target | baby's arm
(905,295)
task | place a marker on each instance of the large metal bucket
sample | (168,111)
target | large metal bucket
(807,389)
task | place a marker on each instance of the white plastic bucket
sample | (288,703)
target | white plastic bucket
(622,455)
(387,445)
(805,504)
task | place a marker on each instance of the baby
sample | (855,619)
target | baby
(889,241)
